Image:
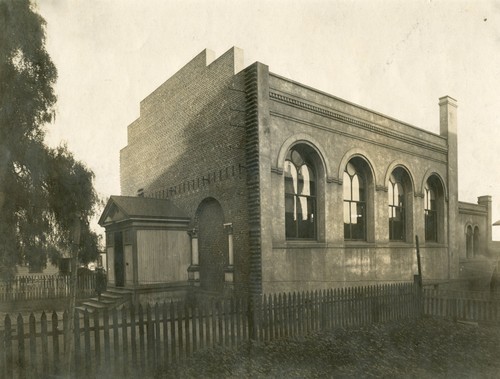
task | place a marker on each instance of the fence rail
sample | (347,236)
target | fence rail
(137,340)
(39,287)
(462,305)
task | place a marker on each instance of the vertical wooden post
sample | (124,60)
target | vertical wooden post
(157,334)
(107,350)
(45,345)
(125,360)
(9,356)
(55,341)
(172,331)
(76,340)
(116,342)
(21,362)
(165,333)
(97,341)
(33,356)
(86,331)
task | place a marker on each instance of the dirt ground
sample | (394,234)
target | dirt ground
(426,348)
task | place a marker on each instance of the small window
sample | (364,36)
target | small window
(354,203)
(397,224)
(300,195)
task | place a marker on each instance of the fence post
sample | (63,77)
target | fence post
(253,321)
(8,347)
(33,355)
(21,361)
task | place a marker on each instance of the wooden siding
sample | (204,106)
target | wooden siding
(163,256)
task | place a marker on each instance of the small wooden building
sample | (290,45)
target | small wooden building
(147,245)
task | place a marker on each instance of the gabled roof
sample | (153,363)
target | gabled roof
(121,208)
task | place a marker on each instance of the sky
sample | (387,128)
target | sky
(395,57)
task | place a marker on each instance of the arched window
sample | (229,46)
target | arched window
(354,185)
(300,195)
(397,217)
(430,209)
(469,242)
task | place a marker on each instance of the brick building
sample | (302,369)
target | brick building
(281,187)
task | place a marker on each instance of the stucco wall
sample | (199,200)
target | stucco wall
(338,130)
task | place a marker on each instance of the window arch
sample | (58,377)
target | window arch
(300,193)
(397,205)
(355,189)
(400,205)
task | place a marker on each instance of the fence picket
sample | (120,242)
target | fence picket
(173,335)
(45,344)
(76,342)
(21,359)
(33,355)
(178,329)
(97,340)
(105,320)
(180,335)
(125,342)
(150,338)
(86,332)
(165,333)
(187,329)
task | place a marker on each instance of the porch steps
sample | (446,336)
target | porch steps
(110,299)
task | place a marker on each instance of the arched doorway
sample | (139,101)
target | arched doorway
(212,245)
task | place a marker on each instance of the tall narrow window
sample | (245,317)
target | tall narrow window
(300,196)
(397,225)
(354,204)
(430,209)
(469,242)
(475,242)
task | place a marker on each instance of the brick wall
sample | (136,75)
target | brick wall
(189,145)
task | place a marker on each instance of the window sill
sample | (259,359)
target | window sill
(300,244)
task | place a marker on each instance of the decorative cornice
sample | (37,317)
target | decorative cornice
(419,194)
(350,135)
(349,120)
(379,187)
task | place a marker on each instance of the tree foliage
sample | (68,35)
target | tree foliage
(41,188)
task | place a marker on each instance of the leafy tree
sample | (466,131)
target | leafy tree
(33,177)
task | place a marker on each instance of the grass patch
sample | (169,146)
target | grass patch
(425,348)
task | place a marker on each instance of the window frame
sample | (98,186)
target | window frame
(397,205)
(293,232)
(431,213)
(351,202)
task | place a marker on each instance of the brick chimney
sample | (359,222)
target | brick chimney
(448,129)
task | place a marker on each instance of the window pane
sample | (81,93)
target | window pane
(300,192)
(347,212)
(355,188)
(347,186)
(430,226)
